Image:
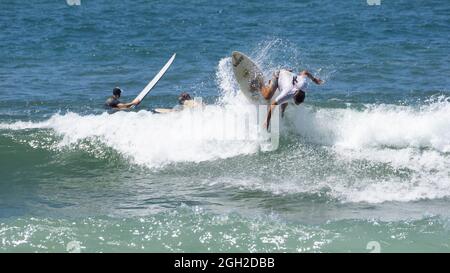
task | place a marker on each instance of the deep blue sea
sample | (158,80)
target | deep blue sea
(363,164)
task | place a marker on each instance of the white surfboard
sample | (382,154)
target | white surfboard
(249,77)
(162,110)
(155,80)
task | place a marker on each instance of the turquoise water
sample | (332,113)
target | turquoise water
(365,159)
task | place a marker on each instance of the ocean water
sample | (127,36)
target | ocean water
(364,162)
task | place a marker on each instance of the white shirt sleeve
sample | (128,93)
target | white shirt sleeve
(288,87)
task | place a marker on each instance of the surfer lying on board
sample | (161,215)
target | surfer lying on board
(292,89)
(185,101)
(113,101)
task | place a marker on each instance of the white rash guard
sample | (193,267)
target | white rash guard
(289,83)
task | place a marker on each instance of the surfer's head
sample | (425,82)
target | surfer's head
(183,97)
(117,91)
(299,97)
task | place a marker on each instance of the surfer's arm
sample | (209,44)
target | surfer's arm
(128,105)
(311,77)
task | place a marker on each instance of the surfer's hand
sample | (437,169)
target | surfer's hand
(136,101)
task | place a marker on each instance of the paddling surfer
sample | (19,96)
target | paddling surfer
(113,101)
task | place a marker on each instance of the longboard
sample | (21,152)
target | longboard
(162,110)
(155,80)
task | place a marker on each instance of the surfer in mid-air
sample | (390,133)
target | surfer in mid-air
(292,88)
(113,101)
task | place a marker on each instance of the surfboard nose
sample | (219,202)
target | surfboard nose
(236,58)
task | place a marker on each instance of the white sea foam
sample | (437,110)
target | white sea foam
(378,126)
(155,140)
(413,142)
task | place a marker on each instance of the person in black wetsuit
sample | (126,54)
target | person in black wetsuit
(113,101)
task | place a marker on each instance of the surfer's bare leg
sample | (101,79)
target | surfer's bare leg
(268,90)
(269,114)
(283,108)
